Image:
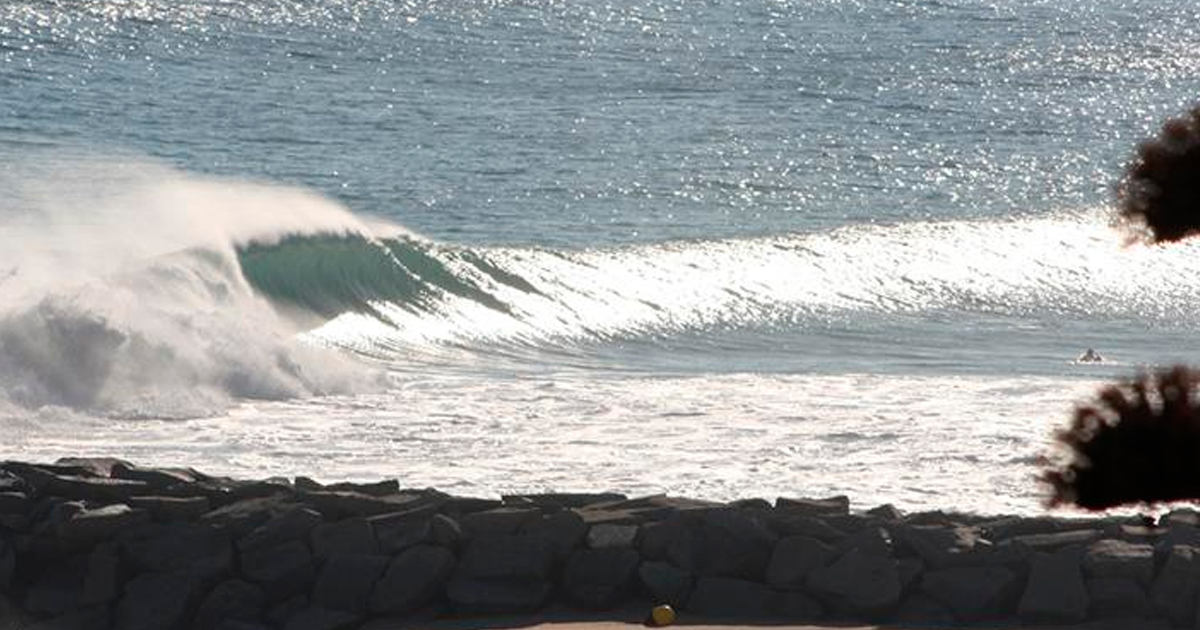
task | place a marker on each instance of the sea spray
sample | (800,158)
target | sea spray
(125,296)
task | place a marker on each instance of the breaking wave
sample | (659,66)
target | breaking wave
(154,293)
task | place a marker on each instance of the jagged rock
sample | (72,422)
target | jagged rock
(921,610)
(346,581)
(496,596)
(1050,543)
(413,580)
(655,538)
(1177,585)
(1055,591)
(910,570)
(8,565)
(90,618)
(1180,516)
(14,502)
(157,478)
(831,506)
(886,512)
(800,525)
(795,606)
(665,583)
(609,535)
(461,506)
(567,500)
(88,466)
(873,540)
(279,614)
(563,530)
(1014,526)
(1116,597)
(234,600)
(751,504)
(100,489)
(1180,535)
(501,522)
(1111,558)
(794,559)
(244,516)
(193,548)
(158,601)
(172,509)
(59,589)
(445,531)
(349,536)
(89,527)
(974,593)
(382,488)
(102,578)
(282,570)
(341,505)
(294,523)
(599,578)
(723,543)
(943,547)
(730,597)
(397,532)
(317,618)
(862,581)
(512,557)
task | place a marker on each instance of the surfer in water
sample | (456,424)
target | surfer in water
(1091,356)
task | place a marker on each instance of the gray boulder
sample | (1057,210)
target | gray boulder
(500,522)
(317,618)
(158,601)
(497,596)
(59,589)
(413,580)
(608,535)
(396,532)
(192,548)
(293,523)
(346,582)
(600,578)
(102,580)
(1177,585)
(172,509)
(563,530)
(14,502)
(1055,591)
(943,547)
(864,582)
(794,559)
(1117,597)
(1110,558)
(832,506)
(665,583)
(731,597)
(348,536)
(282,570)
(723,543)
(88,527)
(234,600)
(509,557)
(974,593)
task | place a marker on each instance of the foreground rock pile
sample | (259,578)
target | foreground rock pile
(104,544)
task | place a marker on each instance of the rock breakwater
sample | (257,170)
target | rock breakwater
(102,543)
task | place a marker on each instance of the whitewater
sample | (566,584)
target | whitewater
(744,249)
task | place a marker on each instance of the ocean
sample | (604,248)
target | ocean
(717,248)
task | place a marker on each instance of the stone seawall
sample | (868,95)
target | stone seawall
(100,543)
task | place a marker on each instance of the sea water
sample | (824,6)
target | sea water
(717,248)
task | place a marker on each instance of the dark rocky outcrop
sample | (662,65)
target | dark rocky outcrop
(100,543)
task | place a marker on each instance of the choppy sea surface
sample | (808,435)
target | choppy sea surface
(721,248)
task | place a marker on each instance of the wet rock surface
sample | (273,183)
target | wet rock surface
(103,543)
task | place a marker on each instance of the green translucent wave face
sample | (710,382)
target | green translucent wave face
(331,275)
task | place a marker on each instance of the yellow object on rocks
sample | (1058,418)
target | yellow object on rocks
(662,615)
